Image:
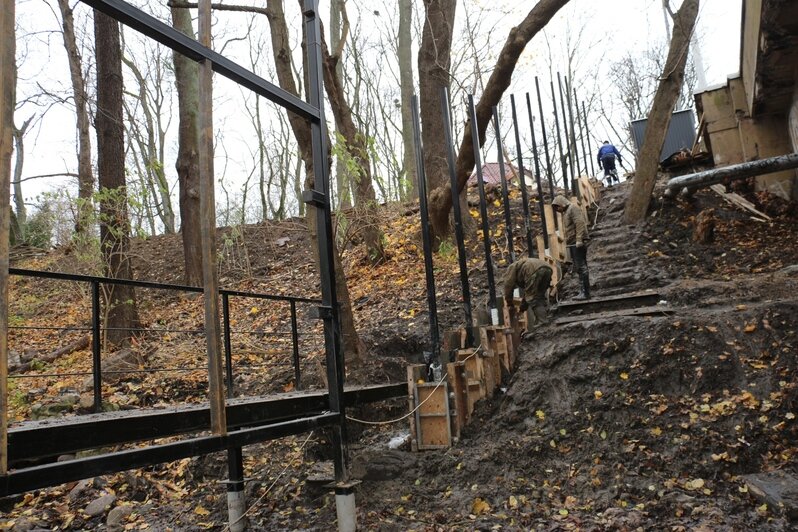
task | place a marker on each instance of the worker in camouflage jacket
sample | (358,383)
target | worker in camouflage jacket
(575,234)
(533,278)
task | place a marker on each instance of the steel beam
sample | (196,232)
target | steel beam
(530,242)
(21,480)
(508,221)
(155,29)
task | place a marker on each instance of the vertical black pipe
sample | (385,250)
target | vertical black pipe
(585,155)
(483,212)
(571,121)
(319,198)
(426,241)
(545,139)
(295,347)
(530,245)
(96,361)
(567,138)
(563,164)
(508,220)
(587,133)
(458,217)
(536,159)
(228,348)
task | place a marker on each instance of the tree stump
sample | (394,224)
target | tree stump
(704,230)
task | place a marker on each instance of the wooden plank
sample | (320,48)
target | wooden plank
(548,210)
(642,311)
(541,246)
(456,378)
(413,376)
(739,201)
(432,416)
(432,395)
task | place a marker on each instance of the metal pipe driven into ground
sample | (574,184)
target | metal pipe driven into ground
(587,132)
(458,217)
(483,212)
(569,154)
(549,172)
(508,220)
(530,246)
(536,159)
(563,166)
(688,183)
(581,131)
(434,336)
(576,171)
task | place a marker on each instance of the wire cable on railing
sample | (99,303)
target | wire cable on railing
(392,421)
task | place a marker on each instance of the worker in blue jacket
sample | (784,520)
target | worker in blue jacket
(606,159)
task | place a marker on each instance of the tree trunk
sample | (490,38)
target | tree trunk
(440,201)
(19,148)
(404,47)
(8,84)
(282,59)
(434,62)
(114,224)
(659,119)
(365,198)
(187,165)
(85,174)
(343,195)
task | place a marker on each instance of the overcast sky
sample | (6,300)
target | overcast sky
(611,28)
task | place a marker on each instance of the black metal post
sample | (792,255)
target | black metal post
(228,346)
(96,360)
(508,221)
(567,184)
(458,216)
(587,132)
(530,245)
(545,139)
(483,212)
(295,347)
(536,159)
(585,155)
(320,199)
(563,164)
(426,241)
(573,127)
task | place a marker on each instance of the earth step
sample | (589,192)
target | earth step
(777,489)
(614,302)
(612,281)
(657,310)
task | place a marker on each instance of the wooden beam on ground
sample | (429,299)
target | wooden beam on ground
(736,199)
(7,102)
(642,311)
(210,280)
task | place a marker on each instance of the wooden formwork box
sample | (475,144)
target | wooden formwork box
(457,379)
(522,316)
(430,425)
(495,343)
(475,376)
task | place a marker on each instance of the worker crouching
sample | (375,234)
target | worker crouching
(533,278)
(575,234)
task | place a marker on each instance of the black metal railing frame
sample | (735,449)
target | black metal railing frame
(96,328)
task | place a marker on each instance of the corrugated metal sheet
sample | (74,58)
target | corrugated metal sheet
(681,133)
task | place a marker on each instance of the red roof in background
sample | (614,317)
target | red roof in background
(492,176)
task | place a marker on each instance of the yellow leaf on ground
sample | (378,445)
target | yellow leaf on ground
(656,431)
(598,394)
(200,510)
(751,327)
(624,376)
(540,414)
(480,506)
(512,502)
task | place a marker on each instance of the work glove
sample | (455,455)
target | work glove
(524,305)
(580,244)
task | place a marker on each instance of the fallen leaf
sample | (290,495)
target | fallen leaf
(200,510)
(540,414)
(598,394)
(624,376)
(751,327)
(480,506)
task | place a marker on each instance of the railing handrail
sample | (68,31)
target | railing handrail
(149,284)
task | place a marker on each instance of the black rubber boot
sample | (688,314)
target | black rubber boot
(585,279)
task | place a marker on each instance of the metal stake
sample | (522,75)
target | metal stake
(96,359)
(295,347)
(549,172)
(581,131)
(574,150)
(508,221)
(458,217)
(563,164)
(522,180)
(483,211)
(587,132)
(536,159)
(566,184)
(435,347)
(228,345)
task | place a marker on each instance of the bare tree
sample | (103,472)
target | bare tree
(441,197)
(121,313)
(19,149)
(187,165)
(79,94)
(405,42)
(670,86)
